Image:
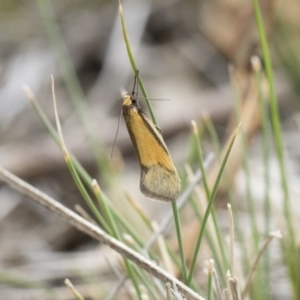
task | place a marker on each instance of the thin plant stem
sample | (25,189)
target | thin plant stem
(274,111)
(250,202)
(217,284)
(225,263)
(107,212)
(71,167)
(180,242)
(36,106)
(73,85)
(208,210)
(231,225)
(289,245)
(256,66)
(135,205)
(132,276)
(115,233)
(146,283)
(207,235)
(216,143)
(134,67)
(245,163)
(257,259)
(69,284)
(169,291)
(210,280)
(211,129)
(200,158)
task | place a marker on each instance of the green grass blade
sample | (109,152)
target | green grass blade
(134,67)
(85,193)
(180,242)
(208,210)
(116,234)
(225,262)
(73,85)
(241,237)
(274,114)
(289,244)
(250,202)
(71,167)
(266,134)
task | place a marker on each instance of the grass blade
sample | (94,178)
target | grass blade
(208,210)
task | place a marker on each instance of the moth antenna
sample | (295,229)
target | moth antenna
(153,99)
(112,150)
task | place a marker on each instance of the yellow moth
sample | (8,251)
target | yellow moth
(159,177)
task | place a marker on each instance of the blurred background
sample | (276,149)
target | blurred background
(184,51)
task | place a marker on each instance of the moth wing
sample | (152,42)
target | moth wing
(159,177)
(160,183)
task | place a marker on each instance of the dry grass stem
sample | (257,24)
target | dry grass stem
(216,281)
(232,281)
(116,288)
(135,205)
(84,214)
(69,284)
(256,63)
(28,93)
(83,225)
(163,251)
(128,239)
(234,288)
(231,222)
(169,291)
(62,143)
(228,290)
(272,235)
